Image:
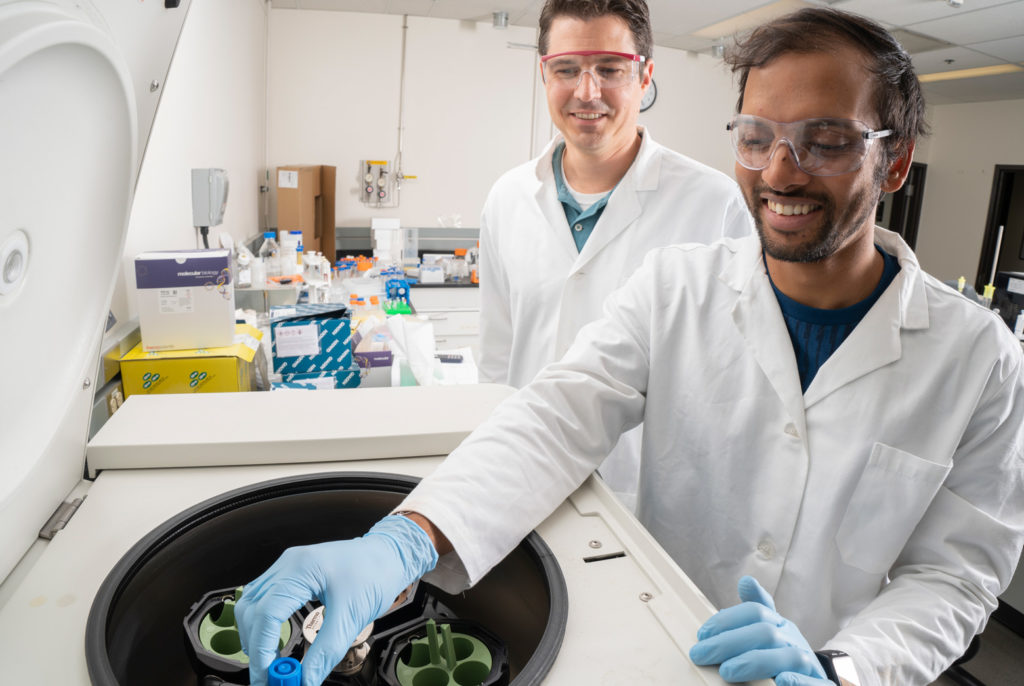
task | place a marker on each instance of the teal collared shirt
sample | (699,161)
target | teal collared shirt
(581,222)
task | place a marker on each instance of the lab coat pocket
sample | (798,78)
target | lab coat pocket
(894,491)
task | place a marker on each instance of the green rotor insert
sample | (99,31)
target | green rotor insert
(448,659)
(219,634)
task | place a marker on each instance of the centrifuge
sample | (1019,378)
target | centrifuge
(118,552)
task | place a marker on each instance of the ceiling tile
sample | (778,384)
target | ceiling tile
(755,15)
(377,6)
(1009,49)
(963,58)
(414,7)
(906,12)
(677,18)
(914,42)
(994,23)
(468,10)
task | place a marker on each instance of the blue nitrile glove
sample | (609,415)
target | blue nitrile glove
(752,641)
(356,580)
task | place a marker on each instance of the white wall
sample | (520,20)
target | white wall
(473,106)
(967,142)
(211,114)
(333,87)
(696,97)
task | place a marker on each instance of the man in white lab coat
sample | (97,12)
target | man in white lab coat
(828,428)
(561,232)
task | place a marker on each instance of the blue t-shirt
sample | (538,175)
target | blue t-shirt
(816,334)
(581,222)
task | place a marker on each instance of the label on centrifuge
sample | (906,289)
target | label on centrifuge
(287,179)
(175,301)
(293,341)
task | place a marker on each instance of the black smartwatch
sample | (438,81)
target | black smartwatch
(839,667)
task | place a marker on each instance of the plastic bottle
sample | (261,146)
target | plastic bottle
(374,307)
(295,243)
(300,267)
(473,259)
(243,268)
(458,268)
(259,272)
(288,264)
(270,254)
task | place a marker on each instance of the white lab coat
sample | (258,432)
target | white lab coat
(537,290)
(902,461)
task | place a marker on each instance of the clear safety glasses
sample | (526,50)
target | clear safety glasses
(820,147)
(607,69)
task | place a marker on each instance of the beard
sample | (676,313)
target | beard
(834,228)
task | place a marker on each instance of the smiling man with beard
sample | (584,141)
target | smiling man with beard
(827,428)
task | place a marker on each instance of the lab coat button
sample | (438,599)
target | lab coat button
(791,430)
(766,550)
(578,227)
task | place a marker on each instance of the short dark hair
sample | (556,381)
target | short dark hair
(898,97)
(633,12)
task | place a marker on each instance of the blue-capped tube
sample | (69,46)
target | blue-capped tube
(285,671)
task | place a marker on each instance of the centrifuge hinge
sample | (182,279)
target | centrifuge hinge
(59,519)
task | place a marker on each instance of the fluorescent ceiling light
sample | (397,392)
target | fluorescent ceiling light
(994,70)
(749,20)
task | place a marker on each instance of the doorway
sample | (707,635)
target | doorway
(1004,229)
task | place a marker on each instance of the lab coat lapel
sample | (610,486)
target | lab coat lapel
(760,323)
(623,209)
(624,206)
(551,209)
(875,342)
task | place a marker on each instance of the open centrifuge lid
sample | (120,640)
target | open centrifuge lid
(68,140)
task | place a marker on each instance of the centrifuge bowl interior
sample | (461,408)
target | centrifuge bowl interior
(134,633)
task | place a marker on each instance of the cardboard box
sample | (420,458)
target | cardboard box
(206,370)
(186,299)
(310,338)
(348,377)
(305,201)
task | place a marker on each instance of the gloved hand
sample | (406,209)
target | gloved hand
(751,641)
(356,580)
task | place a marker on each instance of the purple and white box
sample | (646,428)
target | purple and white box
(186,299)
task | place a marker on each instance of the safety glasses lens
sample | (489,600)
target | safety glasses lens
(823,147)
(608,71)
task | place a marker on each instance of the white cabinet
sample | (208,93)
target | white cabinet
(454,312)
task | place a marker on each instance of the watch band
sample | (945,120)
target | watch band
(839,667)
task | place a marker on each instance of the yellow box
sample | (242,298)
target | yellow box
(204,370)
